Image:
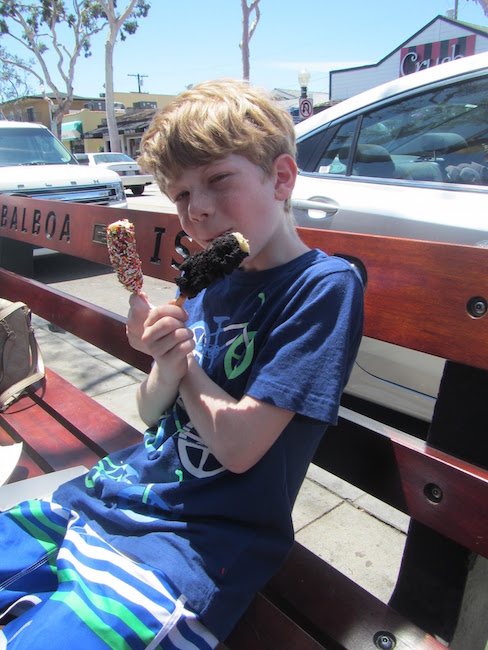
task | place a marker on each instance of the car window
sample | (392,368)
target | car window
(111,158)
(334,158)
(438,135)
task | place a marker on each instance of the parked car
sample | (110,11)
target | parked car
(406,159)
(132,176)
(34,163)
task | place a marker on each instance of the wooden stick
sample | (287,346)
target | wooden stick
(178,301)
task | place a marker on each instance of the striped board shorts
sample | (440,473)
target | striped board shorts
(63,587)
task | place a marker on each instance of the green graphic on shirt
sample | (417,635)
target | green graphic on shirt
(240,354)
(106,469)
(234,363)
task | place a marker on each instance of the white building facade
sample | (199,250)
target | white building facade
(441,40)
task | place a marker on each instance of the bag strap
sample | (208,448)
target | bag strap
(9,309)
(37,371)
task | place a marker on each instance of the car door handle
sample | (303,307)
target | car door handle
(317,205)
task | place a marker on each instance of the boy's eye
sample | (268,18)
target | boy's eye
(180,197)
(219,177)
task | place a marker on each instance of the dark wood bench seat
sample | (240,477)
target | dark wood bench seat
(70,428)
(425,296)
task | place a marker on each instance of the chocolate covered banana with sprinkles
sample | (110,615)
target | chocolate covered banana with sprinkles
(121,243)
(220,258)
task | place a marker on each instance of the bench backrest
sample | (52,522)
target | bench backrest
(422,295)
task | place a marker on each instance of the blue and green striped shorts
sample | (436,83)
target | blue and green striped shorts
(63,587)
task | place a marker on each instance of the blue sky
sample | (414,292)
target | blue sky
(183,42)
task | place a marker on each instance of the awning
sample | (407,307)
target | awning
(96,133)
(123,129)
(71,130)
(136,127)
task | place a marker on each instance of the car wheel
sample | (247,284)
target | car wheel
(137,190)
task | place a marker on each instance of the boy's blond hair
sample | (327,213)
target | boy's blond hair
(211,121)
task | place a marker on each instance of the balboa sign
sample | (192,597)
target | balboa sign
(80,230)
(35,222)
(418,57)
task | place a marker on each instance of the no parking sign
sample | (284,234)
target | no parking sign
(306,107)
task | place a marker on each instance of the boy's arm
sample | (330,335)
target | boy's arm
(159,390)
(160,332)
(238,433)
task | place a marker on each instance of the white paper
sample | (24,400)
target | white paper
(9,457)
(37,487)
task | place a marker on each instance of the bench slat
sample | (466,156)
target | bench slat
(98,427)
(80,231)
(338,608)
(100,327)
(400,470)
(435,280)
(265,627)
(49,443)
(70,427)
(462,512)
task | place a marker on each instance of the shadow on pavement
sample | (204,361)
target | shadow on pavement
(58,268)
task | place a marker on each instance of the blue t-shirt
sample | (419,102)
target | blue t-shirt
(287,336)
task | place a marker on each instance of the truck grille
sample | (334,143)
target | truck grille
(99,195)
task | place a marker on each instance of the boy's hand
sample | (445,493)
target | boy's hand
(167,339)
(160,332)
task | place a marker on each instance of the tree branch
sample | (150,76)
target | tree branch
(254,6)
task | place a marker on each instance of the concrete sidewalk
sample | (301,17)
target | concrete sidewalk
(357,534)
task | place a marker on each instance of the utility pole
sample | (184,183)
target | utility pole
(139,79)
(456,10)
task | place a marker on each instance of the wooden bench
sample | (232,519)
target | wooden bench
(424,296)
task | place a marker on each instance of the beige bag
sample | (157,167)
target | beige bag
(21,363)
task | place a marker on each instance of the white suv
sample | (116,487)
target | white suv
(34,163)
(406,159)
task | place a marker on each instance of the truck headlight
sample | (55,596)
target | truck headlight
(119,191)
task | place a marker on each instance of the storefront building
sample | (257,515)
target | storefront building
(84,127)
(131,127)
(440,41)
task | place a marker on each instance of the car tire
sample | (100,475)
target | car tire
(137,190)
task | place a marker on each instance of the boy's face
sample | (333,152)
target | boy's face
(227,195)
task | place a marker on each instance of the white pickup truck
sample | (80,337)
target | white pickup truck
(34,163)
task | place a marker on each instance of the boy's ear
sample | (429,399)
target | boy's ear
(285,173)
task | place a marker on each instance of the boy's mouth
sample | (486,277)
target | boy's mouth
(212,239)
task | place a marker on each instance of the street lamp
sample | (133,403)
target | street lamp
(303,79)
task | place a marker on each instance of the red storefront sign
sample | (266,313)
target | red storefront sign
(418,57)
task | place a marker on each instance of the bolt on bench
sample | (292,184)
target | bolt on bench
(423,296)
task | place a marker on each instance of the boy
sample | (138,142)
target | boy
(168,541)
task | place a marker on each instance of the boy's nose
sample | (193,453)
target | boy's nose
(199,207)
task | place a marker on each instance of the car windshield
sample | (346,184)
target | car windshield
(111,158)
(31,146)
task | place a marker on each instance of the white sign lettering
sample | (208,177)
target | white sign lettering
(413,57)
